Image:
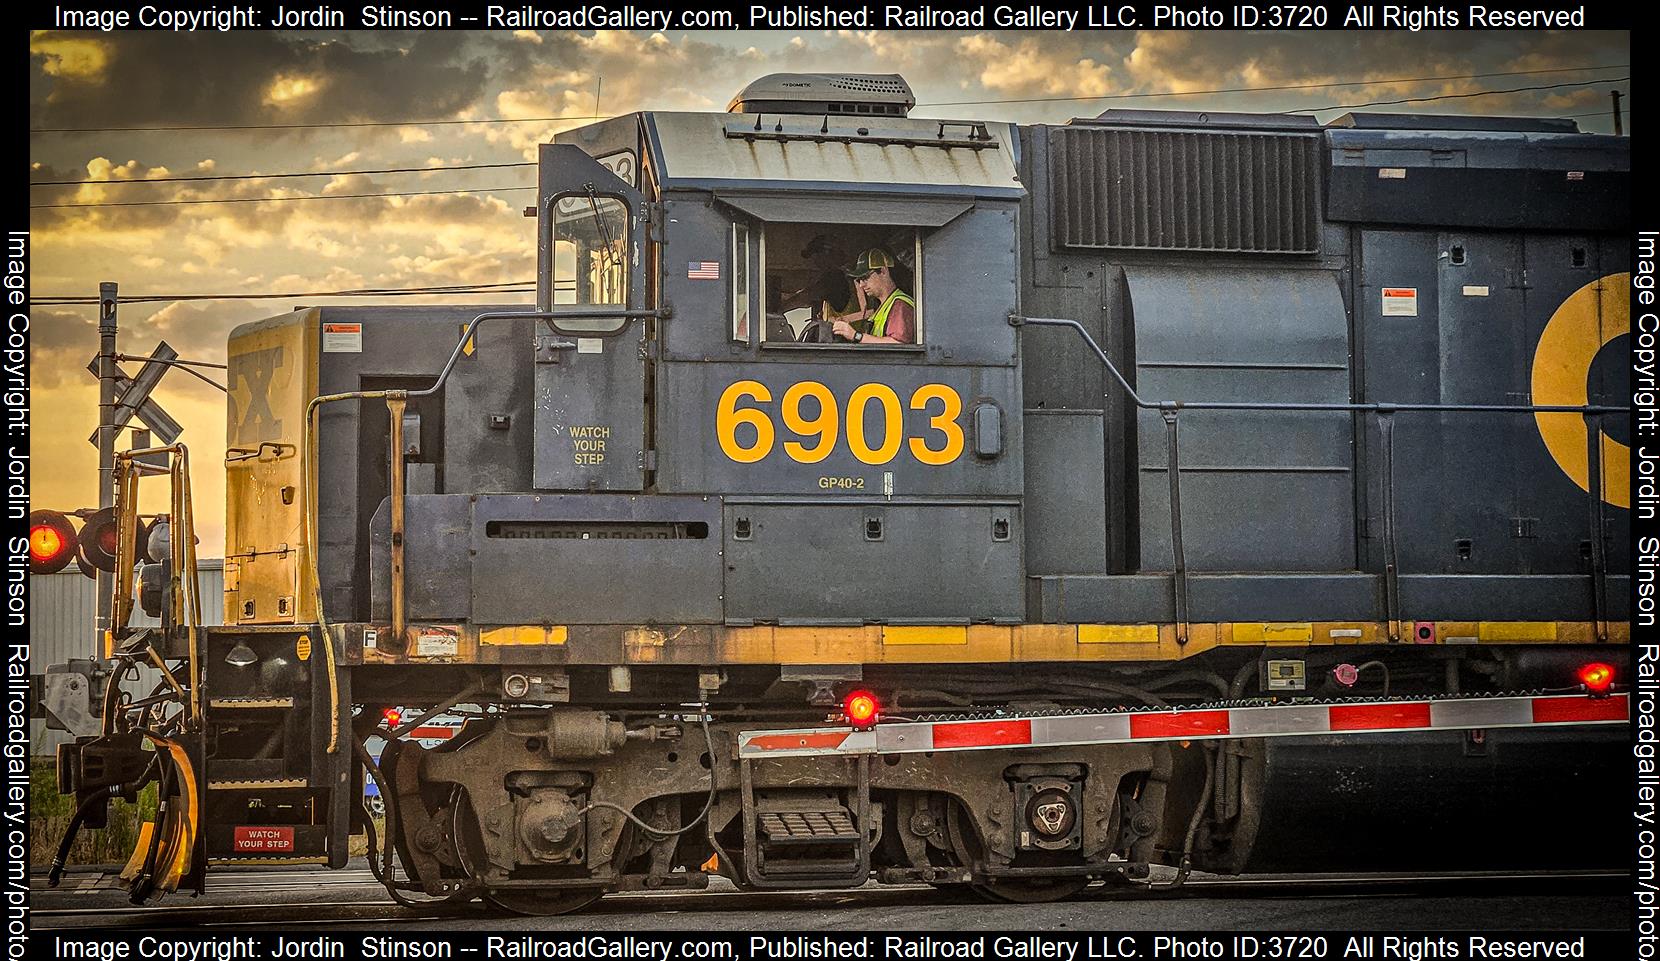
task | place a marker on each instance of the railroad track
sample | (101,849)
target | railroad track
(337,908)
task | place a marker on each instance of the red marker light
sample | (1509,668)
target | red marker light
(861,708)
(1597,677)
(393,716)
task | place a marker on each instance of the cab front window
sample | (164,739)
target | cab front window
(590,256)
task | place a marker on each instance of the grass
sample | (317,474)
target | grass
(51,812)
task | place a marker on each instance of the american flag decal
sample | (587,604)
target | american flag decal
(703,270)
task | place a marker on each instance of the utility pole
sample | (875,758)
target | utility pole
(1619,128)
(107,374)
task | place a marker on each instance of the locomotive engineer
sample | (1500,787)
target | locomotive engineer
(894,320)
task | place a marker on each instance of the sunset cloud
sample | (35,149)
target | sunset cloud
(400,82)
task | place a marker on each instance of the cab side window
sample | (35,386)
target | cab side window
(740,283)
(841,284)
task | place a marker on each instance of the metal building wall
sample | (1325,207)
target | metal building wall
(61,611)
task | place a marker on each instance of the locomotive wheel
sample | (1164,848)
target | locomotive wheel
(532,902)
(1029,890)
(1009,890)
(543,903)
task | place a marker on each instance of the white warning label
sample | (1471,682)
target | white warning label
(437,642)
(1400,301)
(342,338)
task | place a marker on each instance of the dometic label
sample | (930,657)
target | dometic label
(342,338)
(262,840)
(745,423)
(588,444)
(1400,301)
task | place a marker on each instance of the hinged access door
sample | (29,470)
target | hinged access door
(590,359)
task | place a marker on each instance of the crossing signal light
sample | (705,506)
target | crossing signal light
(97,540)
(51,542)
(54,542)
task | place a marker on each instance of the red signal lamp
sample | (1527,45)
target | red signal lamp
(51,542)
(393,716)
(1597,677)
(98,540)
(861,709)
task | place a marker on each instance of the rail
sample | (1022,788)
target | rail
(1170,411)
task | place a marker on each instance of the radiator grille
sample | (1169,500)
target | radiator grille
(1185,190)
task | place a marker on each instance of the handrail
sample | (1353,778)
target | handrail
(1171,409)
(235,454)
(396,400)
(1018,321)
(185,584)
(578,312)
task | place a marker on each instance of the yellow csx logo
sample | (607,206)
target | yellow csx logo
(1592,316)
(810,412)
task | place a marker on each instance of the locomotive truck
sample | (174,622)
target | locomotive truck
(1253,493)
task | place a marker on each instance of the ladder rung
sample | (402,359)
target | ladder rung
(267,784)
(808,827)
(250,703)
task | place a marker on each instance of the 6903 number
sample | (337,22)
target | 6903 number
(818,425)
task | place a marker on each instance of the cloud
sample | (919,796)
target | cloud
(251,77)
(1025,69)
(146,78)
(75,58)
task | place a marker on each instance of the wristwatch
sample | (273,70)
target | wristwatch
(858,336)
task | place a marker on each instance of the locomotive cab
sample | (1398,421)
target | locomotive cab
(727,381)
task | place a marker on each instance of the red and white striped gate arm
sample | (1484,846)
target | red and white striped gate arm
(1273,720)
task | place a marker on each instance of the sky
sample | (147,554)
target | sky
(329,102)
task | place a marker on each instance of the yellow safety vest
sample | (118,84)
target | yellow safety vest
(879,323)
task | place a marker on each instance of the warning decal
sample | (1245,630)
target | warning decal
(1400,301)
(437,641)
(262,840)
(342,338)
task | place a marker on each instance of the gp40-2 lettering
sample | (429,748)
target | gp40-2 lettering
(810,412)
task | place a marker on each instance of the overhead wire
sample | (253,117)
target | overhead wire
(1287,86)
(391,170)
(933,103)
(508,287)
(277,200)
(418,193)
(1458,96)
(278,176)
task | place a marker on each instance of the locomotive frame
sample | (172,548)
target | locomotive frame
(636,527)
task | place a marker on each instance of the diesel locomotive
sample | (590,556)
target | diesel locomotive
(1248,493)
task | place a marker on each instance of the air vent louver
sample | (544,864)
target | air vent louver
(1185,190)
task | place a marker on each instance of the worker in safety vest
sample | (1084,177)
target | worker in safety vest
(891,311)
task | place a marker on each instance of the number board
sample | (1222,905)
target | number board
(814,422)
(839,429)
(622,164)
